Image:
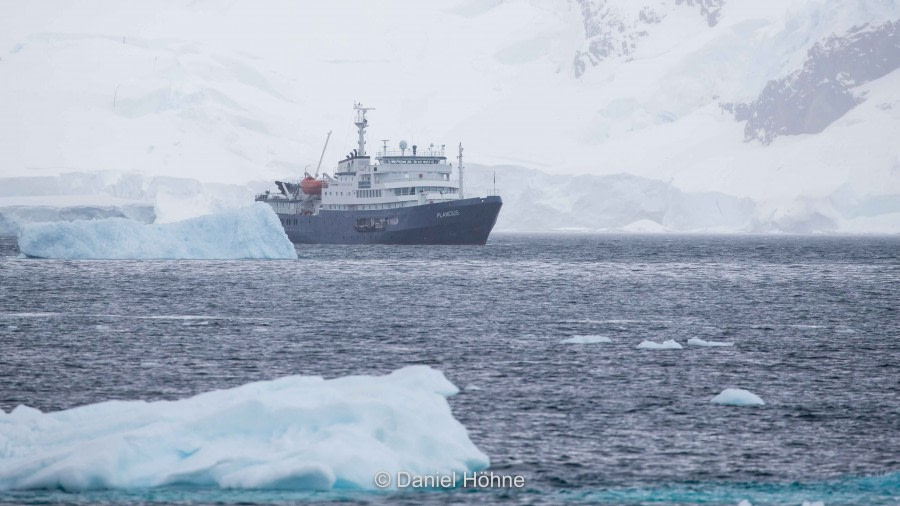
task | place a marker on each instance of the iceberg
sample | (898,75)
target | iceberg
(696,341)
(670,344)
(296,433)
(251,232)
(737,397)
(586,340)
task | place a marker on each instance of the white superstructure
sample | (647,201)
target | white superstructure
(407,176)
(399,178)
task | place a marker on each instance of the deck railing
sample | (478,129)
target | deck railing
(408,152)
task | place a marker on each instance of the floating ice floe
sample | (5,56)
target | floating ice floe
(587,339)
(670,344)
(737,397)
(696,341)
(297,432)
(251,232)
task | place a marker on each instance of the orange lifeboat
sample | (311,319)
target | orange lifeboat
(311,186)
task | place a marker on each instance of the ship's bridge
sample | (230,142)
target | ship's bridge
(401,159)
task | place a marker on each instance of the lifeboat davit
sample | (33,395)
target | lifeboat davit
(311,186)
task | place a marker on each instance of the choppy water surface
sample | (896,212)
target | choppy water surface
(814,321)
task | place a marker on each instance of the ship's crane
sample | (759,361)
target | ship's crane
(323,153)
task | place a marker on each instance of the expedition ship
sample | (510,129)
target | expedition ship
(405,197)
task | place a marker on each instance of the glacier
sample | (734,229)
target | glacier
(85,195)
(534,201)
(251,232)
(737,397)
(296,432)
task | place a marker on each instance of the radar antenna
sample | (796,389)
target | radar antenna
(459,166)
(361,124)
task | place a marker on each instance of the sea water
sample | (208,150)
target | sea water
(813,322)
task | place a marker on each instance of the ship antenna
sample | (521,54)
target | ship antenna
(323,153)
(460,167)
(361,124)
(296,192)
(385,141)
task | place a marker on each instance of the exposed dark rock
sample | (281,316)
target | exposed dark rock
(712,9)
(610,33)
(649,16)
(813,97)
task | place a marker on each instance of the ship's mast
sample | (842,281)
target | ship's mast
(361,124)
(460,167)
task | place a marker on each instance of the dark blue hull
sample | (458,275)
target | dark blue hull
(467,221)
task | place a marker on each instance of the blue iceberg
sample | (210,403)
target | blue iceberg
(251,232)
(293,433)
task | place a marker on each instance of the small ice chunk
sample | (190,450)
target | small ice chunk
(587,339)
(737,397)
(744,502)
(670,344)
(813,503)
(472,388)
(696,341)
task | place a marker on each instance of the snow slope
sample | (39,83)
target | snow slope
(297,432)
(665,90)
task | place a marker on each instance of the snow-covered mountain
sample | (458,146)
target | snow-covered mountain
(679,115)
(809,99)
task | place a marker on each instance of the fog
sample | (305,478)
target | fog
(651,116)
